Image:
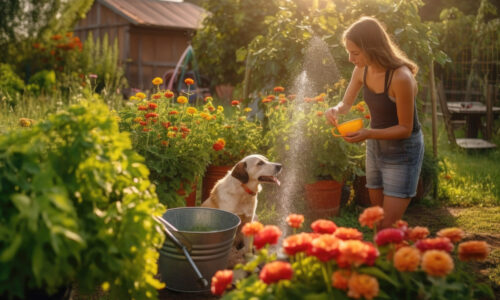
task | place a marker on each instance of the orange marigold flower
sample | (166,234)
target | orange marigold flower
(168,94)
(266,100)
(473,250)
(297,243)
(323,226)
(319,113)
(219,144)
(146,129)
(282,101)
(140,95)
(56,37)
(319,98)
(418,233)
(165,124)
(340,279)
(137,119)
(295,220)
(362,285)
(325,247)
(151,115)
(156,96)
(368,117)
(272,97)
(157,81)
(279,89)
(152,105)
(220,281)
(164,143)
(437,263)
(210,107)
(251,228)
(268,235)
(345,234)
(142,107)
(173,112)
(208,99)
(439,243)
(143,123)
(371,216)
(247,109)
(276,271)
(389,235)
(407,259)
(235,102)
(182,100)
(355,253)
(454,234)
(25,122)
(191,110)
(189,81)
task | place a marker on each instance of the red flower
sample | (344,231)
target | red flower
(295,220)
(142,107)
(389,235)
(297,243)
(323,226)
(345,234)
(152,105)
(143,123)
(268,235)
(189,81)
(439,243)
(279,89)
(235,102)
(173,112)
(165,124)
(325,247)
(272,97)
(185,129)
(368,117)
(151,115)
(168,94)
(276,271)
(217,146)
(266,100)
(354,252)
(251,228)
(282,100)
(220,281)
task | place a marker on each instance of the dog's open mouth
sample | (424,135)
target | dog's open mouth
(269,179)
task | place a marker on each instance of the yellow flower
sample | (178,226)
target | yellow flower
(105,286)
(205,116)
(191,110)
(171,134)
(247,109)
(157,81)
(182,100)
(25,122)
(220,108)
(134,98)
(437,263)
(140,95)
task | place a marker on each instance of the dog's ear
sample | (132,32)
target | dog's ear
(240,172)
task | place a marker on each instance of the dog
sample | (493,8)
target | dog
(237,191)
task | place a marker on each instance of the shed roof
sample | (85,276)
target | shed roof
(171,14)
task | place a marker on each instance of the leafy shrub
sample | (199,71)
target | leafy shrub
(10,83)
(76,208)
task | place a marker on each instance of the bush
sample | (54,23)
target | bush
(10,83)
(76,209)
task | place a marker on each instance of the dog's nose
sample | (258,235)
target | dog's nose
(278,167)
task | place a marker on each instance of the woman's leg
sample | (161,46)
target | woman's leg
(376,197)
(394,209)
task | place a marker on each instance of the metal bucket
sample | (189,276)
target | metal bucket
(210,233)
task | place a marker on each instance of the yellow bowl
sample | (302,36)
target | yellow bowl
(347,127)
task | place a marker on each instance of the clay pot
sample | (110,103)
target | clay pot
(323,198)
(212,175)
(191,198)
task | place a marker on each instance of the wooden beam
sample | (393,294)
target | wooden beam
(139,62)
(97,26)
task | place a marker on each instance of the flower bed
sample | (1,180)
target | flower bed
(336,263)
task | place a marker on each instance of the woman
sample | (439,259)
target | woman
(394,141)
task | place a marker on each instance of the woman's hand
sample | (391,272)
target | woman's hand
(358,136)
(331,115)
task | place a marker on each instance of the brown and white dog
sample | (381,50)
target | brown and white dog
(237,191)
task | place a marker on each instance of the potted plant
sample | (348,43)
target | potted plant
(175,139)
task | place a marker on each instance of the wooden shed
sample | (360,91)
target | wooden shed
(152,34)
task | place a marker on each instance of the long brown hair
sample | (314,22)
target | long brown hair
(369,35)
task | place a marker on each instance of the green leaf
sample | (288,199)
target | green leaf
(379,274)
(37,265)
(11,250)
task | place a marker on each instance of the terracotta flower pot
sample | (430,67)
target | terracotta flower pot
(191,198)
(323,198)
(361,195)
(212,175)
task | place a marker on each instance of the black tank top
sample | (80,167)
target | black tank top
(382,109)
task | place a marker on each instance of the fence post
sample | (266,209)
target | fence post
(490,93)
(432,85)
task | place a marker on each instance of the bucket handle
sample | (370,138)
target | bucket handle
(167,227)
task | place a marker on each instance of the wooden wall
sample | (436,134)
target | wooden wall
(146,52)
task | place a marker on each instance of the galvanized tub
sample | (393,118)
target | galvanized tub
(210,233)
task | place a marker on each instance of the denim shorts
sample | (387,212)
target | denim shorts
(395,165)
